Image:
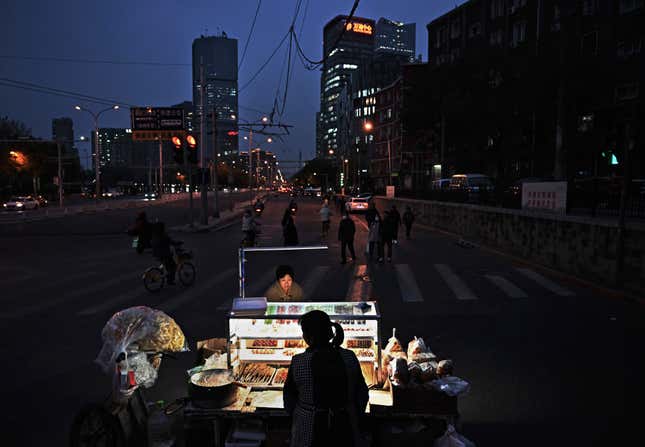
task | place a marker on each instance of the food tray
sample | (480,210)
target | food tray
(247,376)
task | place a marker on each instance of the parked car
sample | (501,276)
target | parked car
(471,182)
(356,204)
(19,203)
(150,196)
(441,184)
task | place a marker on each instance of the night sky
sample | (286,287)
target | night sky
(161,32)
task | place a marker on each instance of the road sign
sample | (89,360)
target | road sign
(148,123)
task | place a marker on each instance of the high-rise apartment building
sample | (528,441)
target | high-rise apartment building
(394,37)
(347,46)
(215,66)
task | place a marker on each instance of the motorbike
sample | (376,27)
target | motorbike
(259,208)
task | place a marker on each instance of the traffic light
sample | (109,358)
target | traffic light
(178,153)
(192,149)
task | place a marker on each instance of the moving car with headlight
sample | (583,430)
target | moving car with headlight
(357,204)
(21,203)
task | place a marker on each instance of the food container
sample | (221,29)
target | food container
(213,388)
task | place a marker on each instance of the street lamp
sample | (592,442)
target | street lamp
(97,145)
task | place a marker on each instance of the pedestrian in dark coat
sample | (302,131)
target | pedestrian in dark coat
(289,230)
(408,219)
(374,246)
(389,233)
(371,213)
(346,232)
(325,391)
(397,219)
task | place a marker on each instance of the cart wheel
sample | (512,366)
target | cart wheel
(94,426)
(153,279)
(186,273)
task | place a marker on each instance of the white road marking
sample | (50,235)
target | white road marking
(312,281)
(359,290)
(105,255)
(51,303)
(410,292)
(507,287)
(112,302)
(459,288)
(544,282)
(197,290)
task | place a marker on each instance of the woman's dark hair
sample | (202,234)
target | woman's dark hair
(284,270)
(317,330)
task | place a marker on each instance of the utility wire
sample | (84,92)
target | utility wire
(263,66)
(315,64)
(93,61)
(54,91)
(248,39)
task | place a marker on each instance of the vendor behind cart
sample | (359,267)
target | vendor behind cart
(285,288)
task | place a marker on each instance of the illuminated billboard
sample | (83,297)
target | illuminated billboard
(358,27)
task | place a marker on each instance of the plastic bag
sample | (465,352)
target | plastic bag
(452,439)
(418,351)
(451,385)
(400,375)
(393,346)
(138,329)
(145,373)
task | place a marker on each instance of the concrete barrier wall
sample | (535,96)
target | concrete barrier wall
(575,245)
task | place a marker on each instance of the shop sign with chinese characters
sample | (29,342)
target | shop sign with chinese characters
(545,196)
(357,27)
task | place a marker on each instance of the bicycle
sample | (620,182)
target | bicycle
(154,278)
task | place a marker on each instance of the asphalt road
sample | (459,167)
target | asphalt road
(550,361)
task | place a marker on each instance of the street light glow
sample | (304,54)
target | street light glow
(77,107)
(116,107)
(269,140)
(265,119)
(368,126)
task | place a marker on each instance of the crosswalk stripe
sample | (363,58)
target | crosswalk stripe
(508,287)
(410,292)
(111,303)
(51,303)
(544,282)
(459,288)
(105,255)
(312,281)
(196,291)
(359,290)
(43,285)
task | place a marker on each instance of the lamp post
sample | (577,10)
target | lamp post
(264,121)
(97,144)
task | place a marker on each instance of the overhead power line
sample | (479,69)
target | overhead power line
(93,61)
(315,64)
(248,39)
(263,66)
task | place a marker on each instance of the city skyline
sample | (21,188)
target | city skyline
(133,71)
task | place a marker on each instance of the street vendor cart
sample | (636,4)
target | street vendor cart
(262,337)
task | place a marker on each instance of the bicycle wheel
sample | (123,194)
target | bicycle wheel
(186,273)
(154,279)
(96,427)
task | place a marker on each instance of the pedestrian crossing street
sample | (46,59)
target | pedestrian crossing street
(89,292)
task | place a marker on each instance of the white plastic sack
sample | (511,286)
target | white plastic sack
(452,439)
(451,385)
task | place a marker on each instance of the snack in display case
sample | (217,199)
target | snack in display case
(265,343)
(280,376)
(359,343)
(258,373)
(362,353)
(295,344)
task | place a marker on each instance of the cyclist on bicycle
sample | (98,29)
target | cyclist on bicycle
(142,228)
(161,243)
(249,228)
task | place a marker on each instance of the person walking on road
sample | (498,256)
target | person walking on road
(374,239)
(289,230)
(346,232)
(370,213)
(408,219)
(388,233)
(325,392)
(396,216)
(325,212)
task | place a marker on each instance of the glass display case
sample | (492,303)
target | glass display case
(261,345)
